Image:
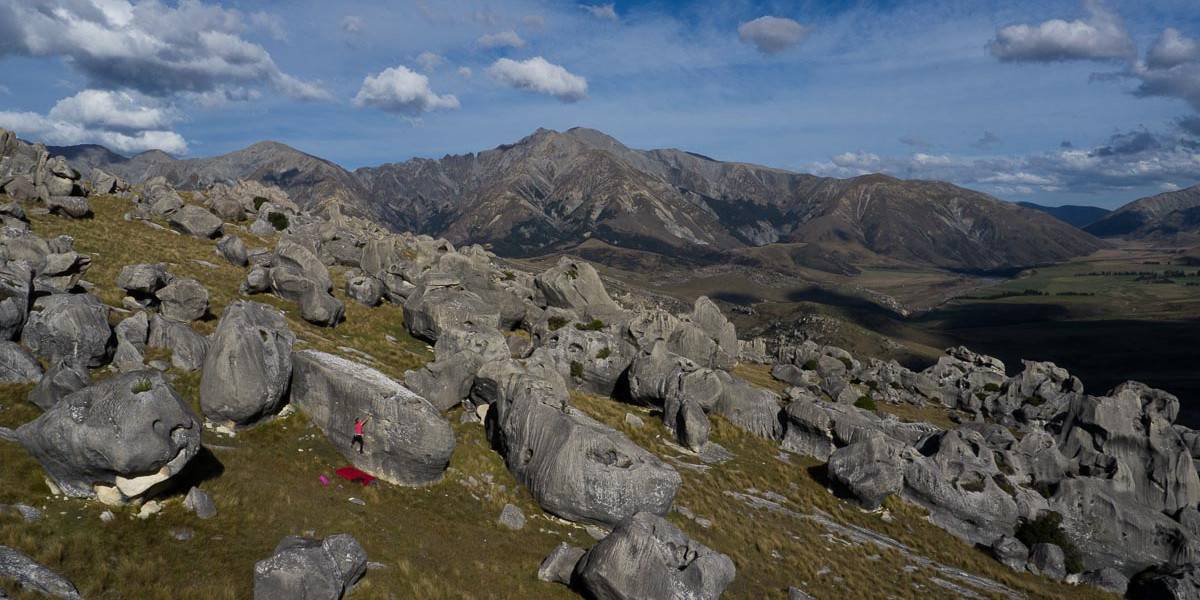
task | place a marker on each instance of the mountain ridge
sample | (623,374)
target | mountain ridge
(1171,215)
(551,191)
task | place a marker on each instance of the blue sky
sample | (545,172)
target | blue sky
(1054,101)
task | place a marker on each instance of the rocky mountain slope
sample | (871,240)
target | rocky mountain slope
(1079,216)
(553,191)
(1167,216)
(180,405)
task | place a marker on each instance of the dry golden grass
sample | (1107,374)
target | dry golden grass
(760,375)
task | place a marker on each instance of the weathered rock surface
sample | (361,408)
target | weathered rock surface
(310,569)
(248,364)
(65,326)
(574,285)
(17,365)
(407,441)
(188,348)
(196,221)
(183,300)
(28,574)
(647,557)
(119,437)
(871,469)
(559,565)
(62,378)
(574,466)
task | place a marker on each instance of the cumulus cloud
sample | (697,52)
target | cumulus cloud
(503,39)
(608,12)
(1128,160)
(1100,36)
(150,47)
(772,35)
(541,76)
(123,121)
(1172,49)
(465,72)
(430,61)
(1171,69)
(402,91)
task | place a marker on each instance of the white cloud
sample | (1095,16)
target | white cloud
(154,48)
(269,23)
(465,72)
(430,61)
(1132,160)
(1172,49)
(122,121)
(1169,186)
(608,12)
(502,39)
(122,111)
(1100,36)
(352,24)
(772,35)
(402,91)
(541,76)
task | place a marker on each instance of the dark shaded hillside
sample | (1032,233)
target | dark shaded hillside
(1079,216)
(1164,216)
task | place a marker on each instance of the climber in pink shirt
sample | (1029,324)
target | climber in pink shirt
(358,433)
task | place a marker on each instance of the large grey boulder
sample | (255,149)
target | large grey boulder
(17,365)
(433,309)
(757,410)
(18,568)
(116,439)
(196,221)
(646,557)
(143,280)
(592,360)
(299,259)
(706,336)
(1127,438)
(70,326)
(559,565)
(248,364)
(233,249)
(183,300)
(957,479)
(132,333)
(365,290)
(1048,561)
(310,569)
(62,378)
(967,379)
(188,348)
(75,207)
(407,441)
(1011,552)
(870,470)
(574,466)
(16,294)
(448,380)
(574,285)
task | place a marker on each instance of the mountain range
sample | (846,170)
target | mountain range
(1170,216)
(552,191)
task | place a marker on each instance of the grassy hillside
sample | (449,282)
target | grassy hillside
(441,541)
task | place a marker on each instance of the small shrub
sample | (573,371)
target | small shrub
(555,323)
(141,385)
(259,201)
(572,273)
(604,353)
(508,276)
(278,220)
(1047,529)
(576,369)
(991,387)
(865,403)
(845,361)
(1005,485)
(810,365)
(593,325)
(974,485)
